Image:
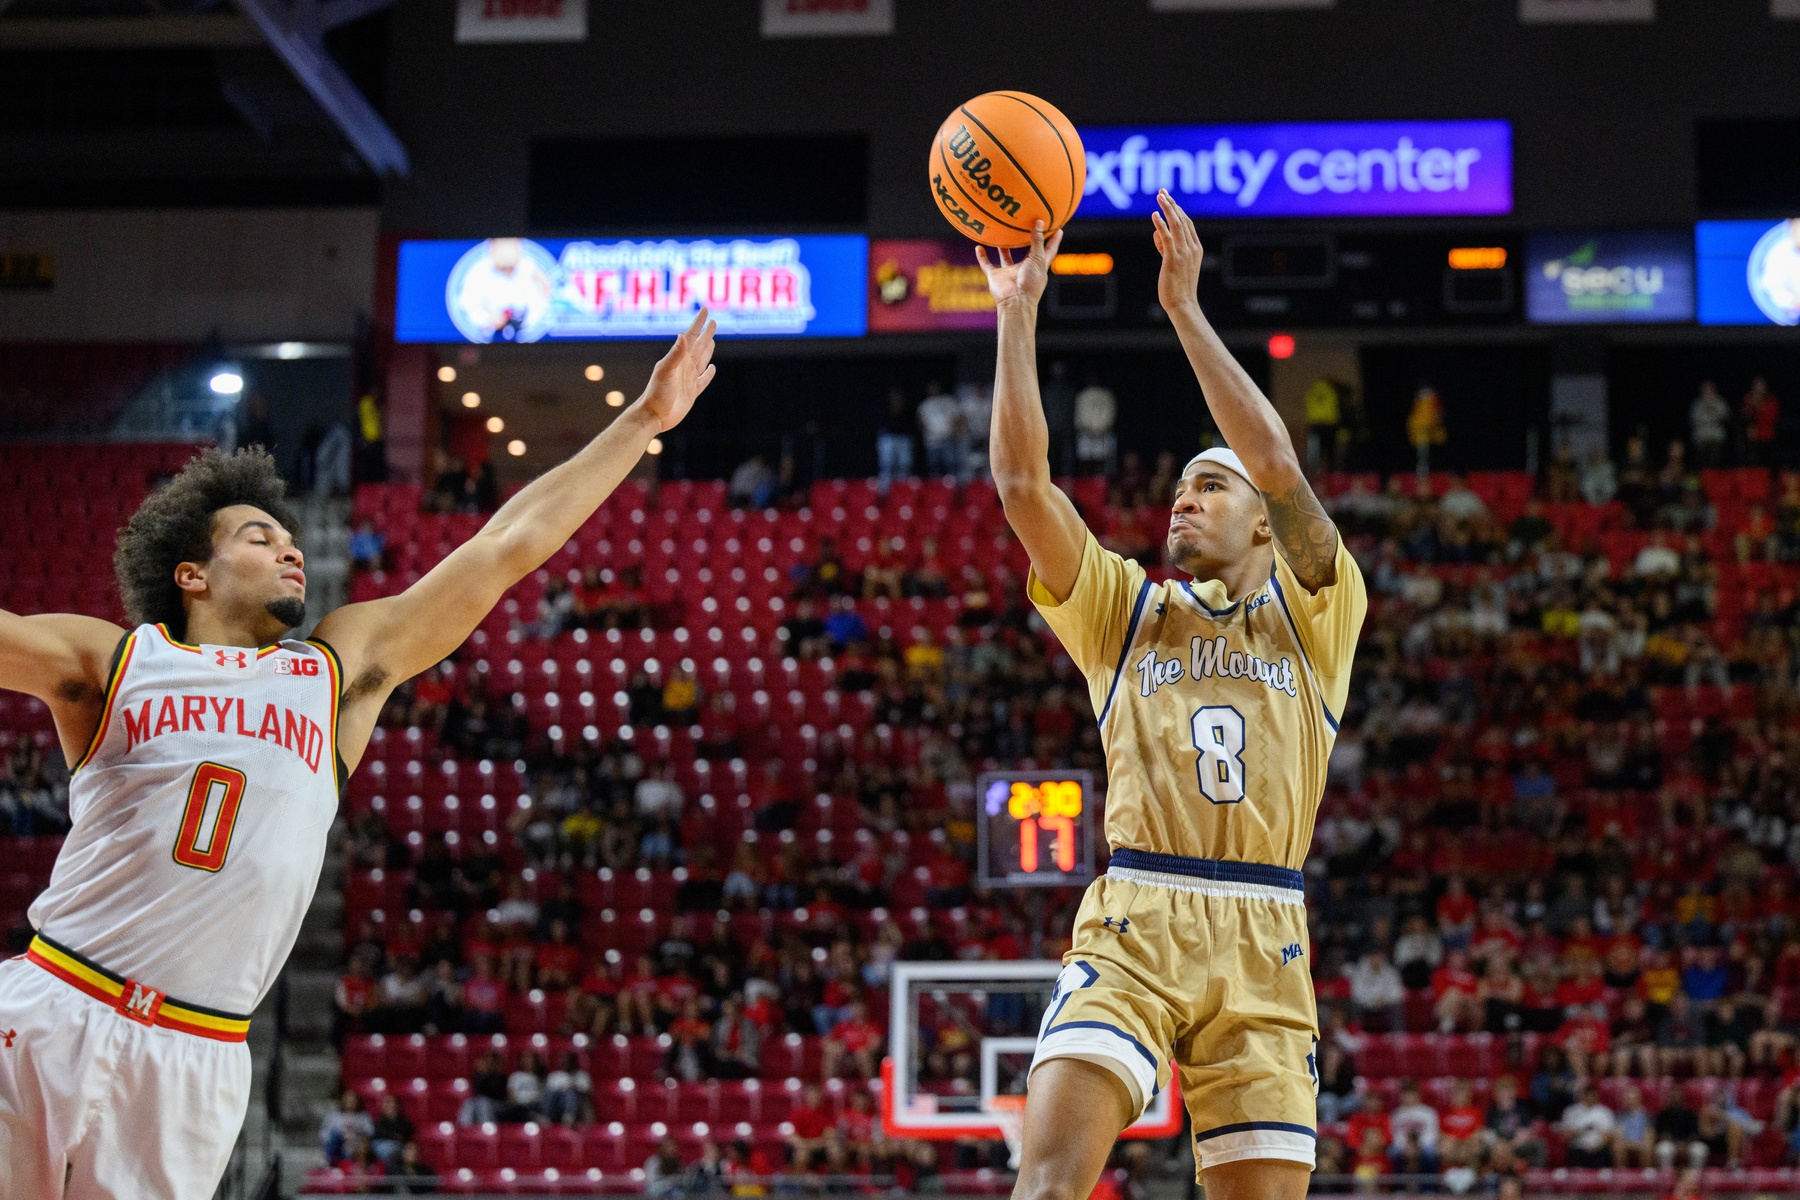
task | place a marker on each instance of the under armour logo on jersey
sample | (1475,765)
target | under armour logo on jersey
(8,1036)
(1290,952)
(1123,924)
(140,1003)
(237,659)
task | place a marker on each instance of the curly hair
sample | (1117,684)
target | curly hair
(175,525)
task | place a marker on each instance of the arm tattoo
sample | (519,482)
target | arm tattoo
(1308,539)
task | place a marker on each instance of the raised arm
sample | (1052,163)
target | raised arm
(383,642)
(63,660)
(1019,438)
(1252,428)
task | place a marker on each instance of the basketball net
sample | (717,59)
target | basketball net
(1009,1114)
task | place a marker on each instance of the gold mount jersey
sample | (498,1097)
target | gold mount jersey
(1217,718)
(201,811)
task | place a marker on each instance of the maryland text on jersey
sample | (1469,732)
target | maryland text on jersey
(293,731)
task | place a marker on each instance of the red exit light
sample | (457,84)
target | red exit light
(1281,345)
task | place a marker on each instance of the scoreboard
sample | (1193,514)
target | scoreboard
(1356,277)
(1035,828)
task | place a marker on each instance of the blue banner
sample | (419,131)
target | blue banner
(525,290)
(1749,272)
(1317,169)
(1609,278)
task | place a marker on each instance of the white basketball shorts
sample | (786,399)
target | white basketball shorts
(97,1106)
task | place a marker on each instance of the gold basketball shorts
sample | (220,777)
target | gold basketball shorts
(1198,966)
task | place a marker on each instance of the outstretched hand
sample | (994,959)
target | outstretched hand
(1027,277)
(1179,282)
(681,375)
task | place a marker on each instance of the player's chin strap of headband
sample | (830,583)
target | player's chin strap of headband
(1225,458)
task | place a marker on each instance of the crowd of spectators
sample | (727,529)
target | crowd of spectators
(1534,829)
(34,792)
(1562,813)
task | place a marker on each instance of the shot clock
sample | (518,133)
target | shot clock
(1035,828)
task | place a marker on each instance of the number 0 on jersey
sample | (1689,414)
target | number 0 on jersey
(207,821)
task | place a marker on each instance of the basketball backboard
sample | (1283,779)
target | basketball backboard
(960,1040)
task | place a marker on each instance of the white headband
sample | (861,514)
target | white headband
(1225,458)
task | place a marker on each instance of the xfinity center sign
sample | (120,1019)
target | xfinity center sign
(1316,169)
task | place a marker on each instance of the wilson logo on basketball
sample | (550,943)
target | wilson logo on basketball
(1004,161)
(977,167)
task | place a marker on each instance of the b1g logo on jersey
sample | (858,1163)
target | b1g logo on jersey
(287,665)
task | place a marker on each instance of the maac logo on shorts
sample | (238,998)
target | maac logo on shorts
(289,664)
(1290,952)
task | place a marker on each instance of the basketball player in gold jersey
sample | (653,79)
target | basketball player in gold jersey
(1218,699)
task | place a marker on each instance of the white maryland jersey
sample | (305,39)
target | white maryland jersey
(201,812)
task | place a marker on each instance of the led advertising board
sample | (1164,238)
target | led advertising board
(1315,169)
(918,284)
(1748,272)
(1609,278)
(525,290)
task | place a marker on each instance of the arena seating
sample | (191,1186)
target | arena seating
(791,747)
(61,507)
(718,589)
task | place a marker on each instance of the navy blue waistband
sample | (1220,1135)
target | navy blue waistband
(1209,868)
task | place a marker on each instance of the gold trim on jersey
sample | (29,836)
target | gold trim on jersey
(337,692)
(112,693)
(103,985)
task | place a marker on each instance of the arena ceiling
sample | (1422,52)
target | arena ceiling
(138,94)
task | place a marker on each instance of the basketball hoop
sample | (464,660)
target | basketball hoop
(1008,1112)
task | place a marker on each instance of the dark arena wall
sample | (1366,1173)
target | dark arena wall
(1604,114)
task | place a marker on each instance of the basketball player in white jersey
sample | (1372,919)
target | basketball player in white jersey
(207,751)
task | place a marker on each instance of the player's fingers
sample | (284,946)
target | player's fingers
(1187,226)
(981,257)
(1037,239)
(699,323)
(1004,255)
(1053,245)
(1170,213)
(705,378)
(1177,220)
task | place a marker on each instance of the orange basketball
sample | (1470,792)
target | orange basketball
(1002,161)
